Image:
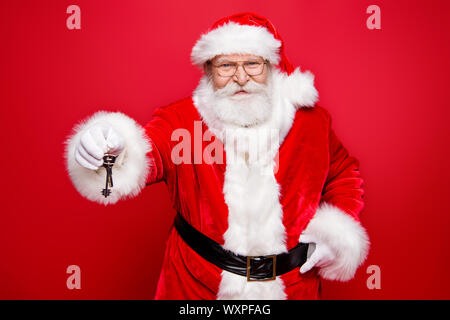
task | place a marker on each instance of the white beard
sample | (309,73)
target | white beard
(250,123)
(249,110)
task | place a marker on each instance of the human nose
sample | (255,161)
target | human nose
(240,76)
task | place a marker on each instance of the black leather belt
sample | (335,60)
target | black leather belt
(255,268)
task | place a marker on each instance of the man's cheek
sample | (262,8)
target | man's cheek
(219,82)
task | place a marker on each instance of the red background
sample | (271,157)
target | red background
(386,90)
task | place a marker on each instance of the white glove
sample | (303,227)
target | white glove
(319,253)
(95,141)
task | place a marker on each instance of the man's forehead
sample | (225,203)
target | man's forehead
(236,57)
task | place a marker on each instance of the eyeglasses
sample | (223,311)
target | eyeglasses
(251,67)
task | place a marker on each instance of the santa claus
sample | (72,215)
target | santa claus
(265,222)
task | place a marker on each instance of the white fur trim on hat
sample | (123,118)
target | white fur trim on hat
(298,88)
(344,235)
(234,38)
(130,169)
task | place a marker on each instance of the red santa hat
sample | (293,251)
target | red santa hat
(242,33)
(249,33)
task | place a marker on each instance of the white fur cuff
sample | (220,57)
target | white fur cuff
(347,238)
(130,170)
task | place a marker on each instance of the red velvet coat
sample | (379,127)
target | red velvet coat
(314,167)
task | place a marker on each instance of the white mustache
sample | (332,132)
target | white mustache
(232,88)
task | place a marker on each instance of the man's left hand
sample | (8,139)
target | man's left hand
(319,253)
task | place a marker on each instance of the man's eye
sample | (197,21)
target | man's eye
(226,65)
(252,64)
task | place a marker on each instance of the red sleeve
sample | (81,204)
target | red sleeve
(343,184)
(159,130)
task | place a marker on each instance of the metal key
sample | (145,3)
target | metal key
(108,162)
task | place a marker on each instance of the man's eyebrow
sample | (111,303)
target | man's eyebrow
(223,60)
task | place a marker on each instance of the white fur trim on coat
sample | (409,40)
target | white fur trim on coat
(232,38)
(130,169)
(344,235)
(251,192)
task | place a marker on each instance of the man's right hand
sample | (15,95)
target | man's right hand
(95,142)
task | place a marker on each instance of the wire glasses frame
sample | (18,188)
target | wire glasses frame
(252,68)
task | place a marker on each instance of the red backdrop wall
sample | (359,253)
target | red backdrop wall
(386,90)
